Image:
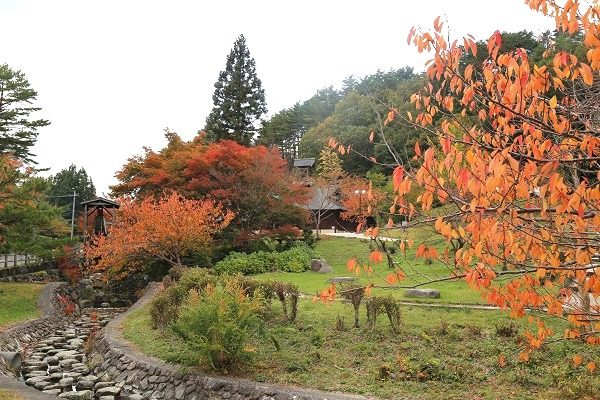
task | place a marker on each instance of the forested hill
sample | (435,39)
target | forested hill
(350,113)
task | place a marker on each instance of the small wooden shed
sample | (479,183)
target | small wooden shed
(103,212)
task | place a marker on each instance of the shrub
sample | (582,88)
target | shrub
(384,304)
(164,308)
(219,323)
(287,292)
(354,295)
(296,259)
(507,330)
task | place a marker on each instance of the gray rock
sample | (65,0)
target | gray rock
(35,373)
(56,376)
(67,354)
(180,392)
(74,375)
(100,385)
(342,279)
(68,363)
(108,391)
(35,379)
(52,360)
(422,293)
(52,392)
(321,266)
(66,382)
(41,385)
(83,395)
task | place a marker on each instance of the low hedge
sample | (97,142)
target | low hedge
(296,259)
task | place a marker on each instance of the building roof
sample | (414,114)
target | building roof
(304,162)
(100,201)
(323,200)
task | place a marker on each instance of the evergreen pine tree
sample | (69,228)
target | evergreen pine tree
(239,100)
(65,182)
(18,132)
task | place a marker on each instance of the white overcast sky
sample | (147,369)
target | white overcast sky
(113,74)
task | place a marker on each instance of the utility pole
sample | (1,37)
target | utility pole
(73,215)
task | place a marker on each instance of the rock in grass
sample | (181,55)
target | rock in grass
(321,266)
(422,293)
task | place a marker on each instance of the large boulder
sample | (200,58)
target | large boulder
(422,293)
(321,266)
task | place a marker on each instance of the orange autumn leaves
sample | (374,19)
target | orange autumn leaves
(517,155)
(514,153)
(578,360)
(167,229)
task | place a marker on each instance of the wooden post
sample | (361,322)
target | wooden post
(85,218)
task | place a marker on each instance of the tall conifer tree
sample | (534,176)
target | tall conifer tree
(239,100)
(18,131)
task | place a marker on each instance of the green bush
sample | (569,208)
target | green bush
(287,294)
(219,322)
(164,309)
(296,259)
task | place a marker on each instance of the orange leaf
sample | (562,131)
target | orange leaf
(391,279)
(351,264)
(372,136)
(523,356)
(397,177)
(469,72)
(417,149)
(586,74)
(375,232)
(436,24)
(376,256)
(501,360)
(421,250)
(553,102)
(591,366)
(577,359)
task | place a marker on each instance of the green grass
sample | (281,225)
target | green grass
(438,354)
(337,251)
(18,302)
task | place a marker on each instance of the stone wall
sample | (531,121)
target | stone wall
(15,338)
(26,269)
(154,379)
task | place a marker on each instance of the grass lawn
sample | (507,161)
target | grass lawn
(438,354)
(18,302)
(8,395)
(337,251)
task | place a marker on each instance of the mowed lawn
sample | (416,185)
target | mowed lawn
(18,302)
(336,251)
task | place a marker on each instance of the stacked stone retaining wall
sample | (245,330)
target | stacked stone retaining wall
(22,335)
